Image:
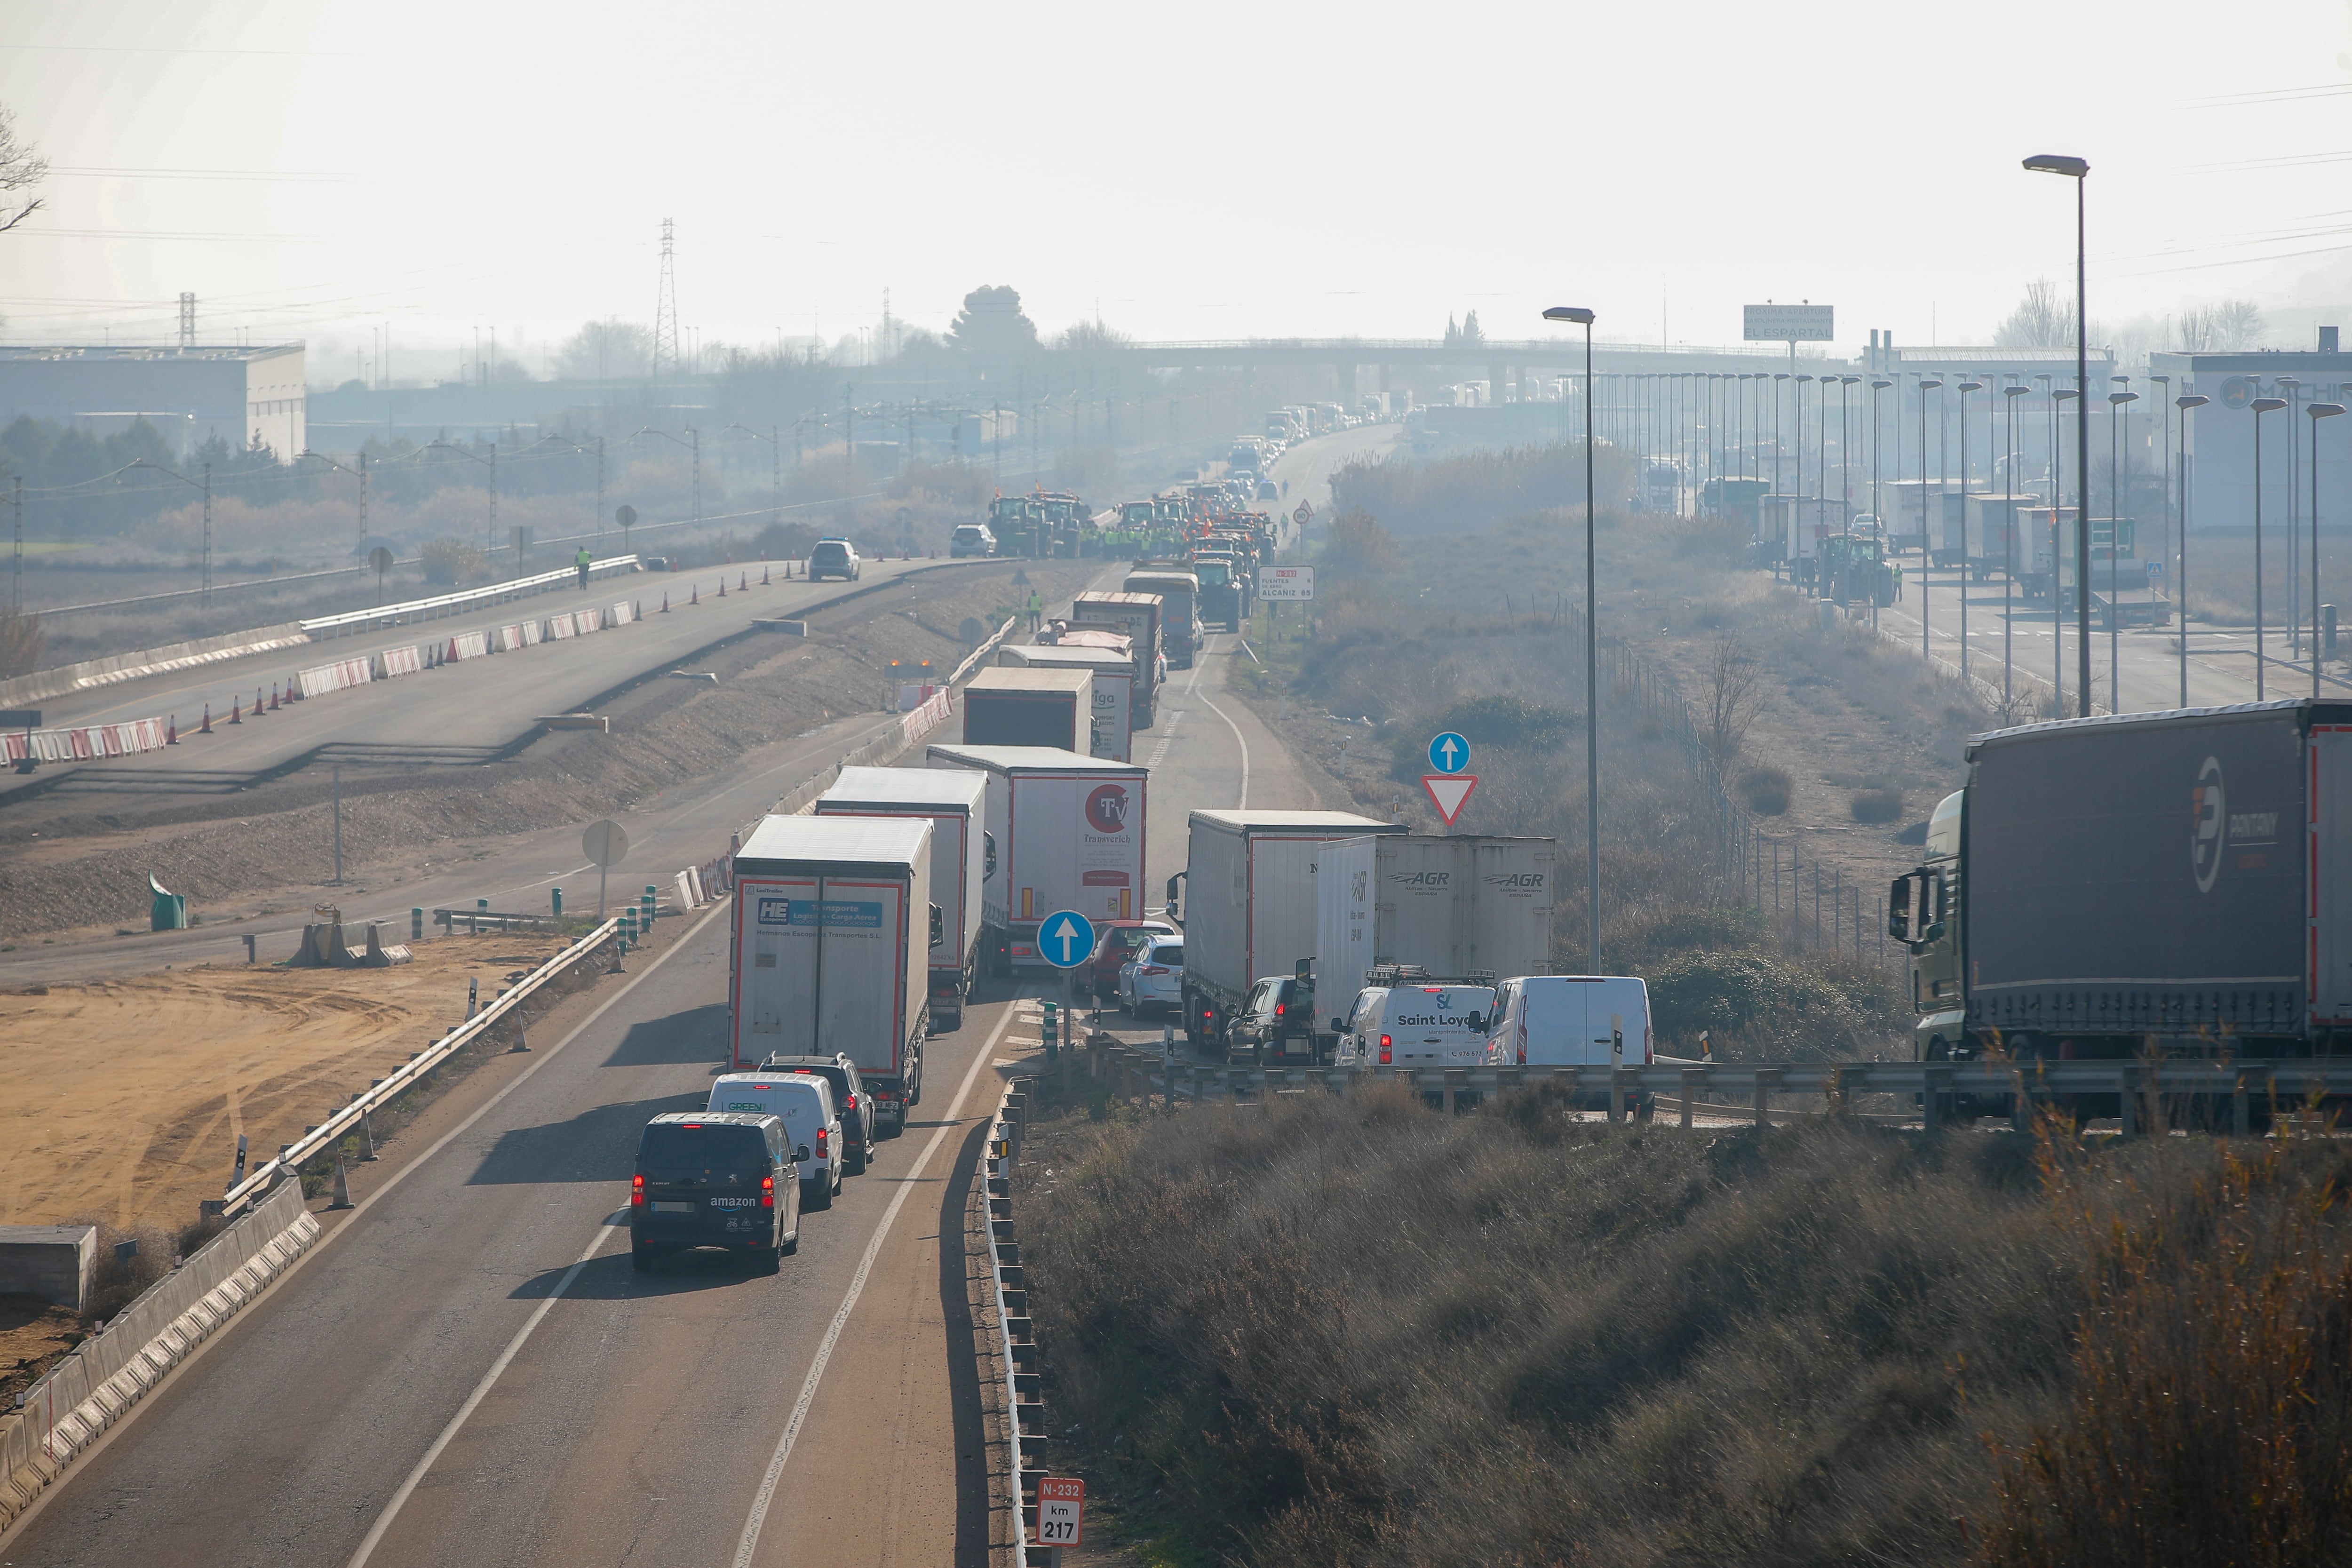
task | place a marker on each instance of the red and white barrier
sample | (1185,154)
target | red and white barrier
(559,628)
(340,676)
(85,744)
(588,621)
(620,615)
(926,716)
(469,645)
(510,639)
(394,661)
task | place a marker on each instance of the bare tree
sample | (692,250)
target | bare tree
(21,168)
(1733,694)
(2042,320)
(2237,325)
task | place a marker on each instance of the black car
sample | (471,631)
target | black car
(1276,1023)
(714,1178)
(849,1098)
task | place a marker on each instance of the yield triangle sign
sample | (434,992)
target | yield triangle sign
(1448,791)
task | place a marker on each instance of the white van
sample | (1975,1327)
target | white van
(1416,1026)
(1571,1020)
(811,1123)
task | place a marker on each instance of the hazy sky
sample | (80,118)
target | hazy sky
(314,168)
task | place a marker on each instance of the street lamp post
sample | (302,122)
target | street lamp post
(2318,411)
(1878,508)
(2289,385)
(1802,382)
(1583,317)
(2058,484)
(776,452)
(204,485)
(2164,450)
(1845,462)
(2184,403)
(360,473)
(1926,526)
(491,539)
(694,445)
(2261,407)
(1967,566)
(2009,397)
(2118,417)
(2079,171)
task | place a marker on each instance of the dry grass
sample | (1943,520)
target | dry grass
(1318,1332)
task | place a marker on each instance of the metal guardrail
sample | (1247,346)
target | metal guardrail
(2283,1080)
(467,599)
(1015,1342)
(404,1077)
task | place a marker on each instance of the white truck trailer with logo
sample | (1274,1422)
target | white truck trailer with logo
(1468,908)
(1248,903)
(955,803)
(1114,688)
(833,920)
(1137,616)
(1068,831)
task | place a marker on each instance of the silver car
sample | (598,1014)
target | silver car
(1154,977)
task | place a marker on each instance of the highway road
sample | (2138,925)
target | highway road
(2146,660)
(466,1368)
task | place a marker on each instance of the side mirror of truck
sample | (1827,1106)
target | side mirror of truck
(988,855)
(1898,908)
(1338,1025)
(938,926)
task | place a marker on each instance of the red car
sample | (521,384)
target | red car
(1113,947)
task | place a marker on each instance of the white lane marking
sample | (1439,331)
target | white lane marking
(767,1492)
(1241,801)
(481,1390)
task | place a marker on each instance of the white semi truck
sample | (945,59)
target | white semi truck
(1468,907)
(1068,831)
(955,803)
(834,922)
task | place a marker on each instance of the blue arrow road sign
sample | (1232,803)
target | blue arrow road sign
(1066,938)
(1449,753)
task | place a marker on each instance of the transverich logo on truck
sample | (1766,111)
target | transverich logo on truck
(1106,809)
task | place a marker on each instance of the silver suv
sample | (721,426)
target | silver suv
(833,558)
(971,538)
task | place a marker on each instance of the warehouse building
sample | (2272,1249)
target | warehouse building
(243,395)
(2221,435)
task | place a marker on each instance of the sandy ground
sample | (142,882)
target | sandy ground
(126,1097)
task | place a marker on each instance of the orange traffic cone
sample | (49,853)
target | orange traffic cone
(763,577)
(743,583)
(665,603)
(696,596)
(171,735)
(722,585)
(208,728)
(234,715)
(256,701)
(451,657)
(273,696)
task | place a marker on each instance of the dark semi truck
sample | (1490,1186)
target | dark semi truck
(2175,883)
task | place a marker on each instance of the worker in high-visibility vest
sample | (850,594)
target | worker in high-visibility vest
(581,561)
(1036,611)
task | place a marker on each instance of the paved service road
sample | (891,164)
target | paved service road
(467,1369)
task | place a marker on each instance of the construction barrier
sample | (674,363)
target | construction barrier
(926,716)
(469,645)
(85,744)
(588,621)
(512,640)
(559,627)
(394,661)
(620,615)
(340,676)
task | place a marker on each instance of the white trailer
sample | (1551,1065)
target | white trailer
(833,919)
(1069,834)
(955,802)
(1023,707)
(1469,907)
(1114,688)
(1249,902)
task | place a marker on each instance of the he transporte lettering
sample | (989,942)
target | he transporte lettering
(833,914)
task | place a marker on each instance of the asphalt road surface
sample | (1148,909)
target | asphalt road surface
(467,1369)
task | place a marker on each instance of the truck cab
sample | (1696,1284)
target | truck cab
(1922,912)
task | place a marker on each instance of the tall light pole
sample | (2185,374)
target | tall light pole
(2261,407)
(1799,503)
(1583,317)
(1778,377)
(2119,414)
(2318,411)
(2289,385)
(204,485)
(1877,510)
(2184,403)
(359,473)
(1846,461)
(1926,528)
(2079,171)
(693,446)
(1967,566)
(2164,450)
(2058,483)
(776,453)
(491,540)
(2009,397)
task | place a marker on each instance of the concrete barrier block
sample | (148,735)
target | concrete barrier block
(51,1261)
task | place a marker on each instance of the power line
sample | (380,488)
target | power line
(2273,95)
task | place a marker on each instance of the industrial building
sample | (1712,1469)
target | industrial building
(2221,436)
(191,394)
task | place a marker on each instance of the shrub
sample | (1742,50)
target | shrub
(1766,790)
(1876,805)
(1502,721)
(784,541)
(1767,1007)
(22,643)
(451,561)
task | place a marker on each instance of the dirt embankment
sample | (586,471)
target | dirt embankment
(71,867)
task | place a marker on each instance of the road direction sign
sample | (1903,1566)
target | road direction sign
(1449,753)
(1285,584)
(604,843)
(1061,1505)
(1449,792)
(626,516)
(1066,938)
(1302,514)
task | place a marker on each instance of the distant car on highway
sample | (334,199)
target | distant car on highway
(1116,942)
(1154,977)
(971,538)
(714,1179)
(1266,491)
(849,1098)
(812,1119)
(833,558)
